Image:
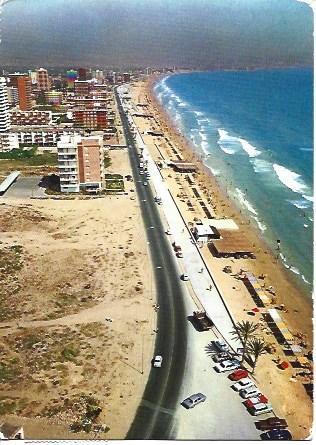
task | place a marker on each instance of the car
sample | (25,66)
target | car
(238,374)
(276,434)
(168,232)
(185,277)
(193,400)
(221,345)
(221,356)
(271,423)
(157,362)
(252,391)
(260,408)
(179,254)
(255,400)
(145,183)
(242,384)
(227,365)
(141,172)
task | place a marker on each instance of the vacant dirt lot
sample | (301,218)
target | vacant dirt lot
(76,315)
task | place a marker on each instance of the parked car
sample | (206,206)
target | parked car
(260,408)
(185,277)
(227,365)
(157,362)
(271,423)
(193,400)
(221,356)
(255,400)
(221,345)
(145,183)
(276,434)
(252,391)
(242,384)
(238,374)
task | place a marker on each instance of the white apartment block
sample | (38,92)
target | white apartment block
(68,163)
(4,107)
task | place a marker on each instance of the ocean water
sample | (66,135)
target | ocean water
(254,130)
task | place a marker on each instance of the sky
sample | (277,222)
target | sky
(190,33)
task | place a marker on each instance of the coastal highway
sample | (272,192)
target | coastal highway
(154,417)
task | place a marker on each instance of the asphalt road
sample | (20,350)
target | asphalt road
(155,415)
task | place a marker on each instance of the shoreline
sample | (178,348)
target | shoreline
(289,292)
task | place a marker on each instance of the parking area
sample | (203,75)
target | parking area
(25,187)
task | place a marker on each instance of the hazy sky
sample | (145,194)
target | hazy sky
(156,32)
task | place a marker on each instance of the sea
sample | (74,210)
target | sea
(254,131)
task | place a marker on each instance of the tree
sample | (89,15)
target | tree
(256,347)
(244,331)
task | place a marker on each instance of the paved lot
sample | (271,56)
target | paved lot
(25,187)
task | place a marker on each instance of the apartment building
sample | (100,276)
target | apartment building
(43,81)
(4,107)
(25,93)
(82,87)
(53,97)
(32,118)
(90,118)
(80,163)
(13,96)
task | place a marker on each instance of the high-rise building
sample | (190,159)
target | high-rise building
(25,93)
(82,87)
(80,163)
(126,77)
(71,75)
(82,74)
(13,96)
(99,76)
(91,118)
(43,81)
(68,163)
(33,76)
(4,107)
(90,163)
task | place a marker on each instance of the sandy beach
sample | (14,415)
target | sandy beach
(290,398)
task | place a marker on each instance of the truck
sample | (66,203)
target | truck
(202,320)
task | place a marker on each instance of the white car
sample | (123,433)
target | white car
(260,408)
(185,277)
(221,345)
(242,384)
(145,183)
(252,391)
(227,365)
(157,363)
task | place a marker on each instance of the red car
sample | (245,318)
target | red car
(238,374)
(254,400)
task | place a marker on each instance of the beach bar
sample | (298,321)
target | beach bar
(183,166)
(255,290)
(233,244)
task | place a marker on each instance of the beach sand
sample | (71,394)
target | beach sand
(288,397)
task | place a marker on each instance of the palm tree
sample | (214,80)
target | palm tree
(244,331)
(256,348)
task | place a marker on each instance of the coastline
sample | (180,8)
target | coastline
(299,307)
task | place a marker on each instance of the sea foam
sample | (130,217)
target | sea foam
(290,179)
(242,199)
(227,143)
(249,149)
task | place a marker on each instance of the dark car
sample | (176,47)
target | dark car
(193,400)
(271,423)
(276,435)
